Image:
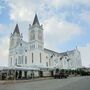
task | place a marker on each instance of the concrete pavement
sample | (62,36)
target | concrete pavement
(3,82)
(82,84)
(73,83)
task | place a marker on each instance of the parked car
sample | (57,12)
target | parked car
(63,75)
(59,74)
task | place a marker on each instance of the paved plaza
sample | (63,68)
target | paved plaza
(72,83)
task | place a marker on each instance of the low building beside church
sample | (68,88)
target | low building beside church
(33,53)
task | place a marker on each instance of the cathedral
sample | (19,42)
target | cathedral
(33,53)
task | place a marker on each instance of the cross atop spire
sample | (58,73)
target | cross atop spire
(36,21)
(16,30)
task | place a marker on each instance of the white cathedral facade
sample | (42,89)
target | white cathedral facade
(33,53)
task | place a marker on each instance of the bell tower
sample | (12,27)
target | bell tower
(15,37)
(36,35)
(36,42)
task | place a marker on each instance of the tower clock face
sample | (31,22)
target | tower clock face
(40,35)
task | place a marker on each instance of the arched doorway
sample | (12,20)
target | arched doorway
(41,73)
(25,73)
(52,73)
(20,74)
(17,74)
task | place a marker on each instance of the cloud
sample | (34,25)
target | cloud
(24,10)
(60,3)
(85,54)
(21,10)
(65,3)
(59,31)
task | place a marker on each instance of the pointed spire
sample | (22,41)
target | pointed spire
(36,20)
(16,30)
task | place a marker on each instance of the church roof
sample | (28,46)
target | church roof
(67,52)
(50,51)
(36,21)
(16,30)
(63,53)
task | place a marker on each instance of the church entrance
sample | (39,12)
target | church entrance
(25,73)
(16,74)
(20,74)
(51,73)
(41,73)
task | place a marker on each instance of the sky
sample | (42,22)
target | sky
(66,24)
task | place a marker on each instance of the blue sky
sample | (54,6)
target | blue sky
(66,24)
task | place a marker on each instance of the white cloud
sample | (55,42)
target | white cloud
(59,31)
(21,10)
(85,54)
(24,10)
(62,3)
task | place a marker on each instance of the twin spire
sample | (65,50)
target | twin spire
(16,30)
(35,21)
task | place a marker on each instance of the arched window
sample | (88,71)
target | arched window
(47,64)
(20,44)
(19,60)
(32,35)
(11,62)
(39,34)
(32,58)
(25,59)
(40,58)
(16,62)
